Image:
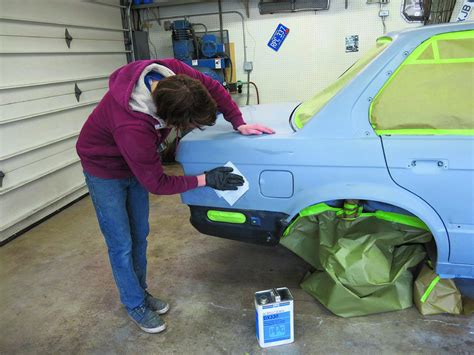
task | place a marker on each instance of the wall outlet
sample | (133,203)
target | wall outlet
(248,66)
(383,13)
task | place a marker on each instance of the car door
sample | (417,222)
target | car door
(425,117)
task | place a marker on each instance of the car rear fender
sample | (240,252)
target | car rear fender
(392,195)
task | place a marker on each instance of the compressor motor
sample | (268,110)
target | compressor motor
(203,52)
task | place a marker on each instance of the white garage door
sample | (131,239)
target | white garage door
(56,56)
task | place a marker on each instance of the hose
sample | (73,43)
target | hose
(200,24)
(256,90)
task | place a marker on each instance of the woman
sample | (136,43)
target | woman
(119,150)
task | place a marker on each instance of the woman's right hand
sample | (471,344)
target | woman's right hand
(221,178)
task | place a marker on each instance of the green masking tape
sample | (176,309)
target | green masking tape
(411,221)
(429,289)
(350,206)
(226,217)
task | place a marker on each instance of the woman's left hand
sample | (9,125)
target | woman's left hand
(250,129)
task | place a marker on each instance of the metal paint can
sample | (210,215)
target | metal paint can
(274,317)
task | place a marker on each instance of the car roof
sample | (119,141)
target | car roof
(431,30)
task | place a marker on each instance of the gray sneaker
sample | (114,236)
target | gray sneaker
(147,320)
(155,304)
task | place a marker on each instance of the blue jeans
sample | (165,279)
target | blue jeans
(122,209)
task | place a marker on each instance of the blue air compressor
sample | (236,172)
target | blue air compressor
(204,52)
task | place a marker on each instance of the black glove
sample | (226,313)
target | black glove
(221,178)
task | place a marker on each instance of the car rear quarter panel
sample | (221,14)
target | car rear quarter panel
(323,170)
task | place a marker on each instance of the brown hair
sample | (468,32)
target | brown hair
(184,102)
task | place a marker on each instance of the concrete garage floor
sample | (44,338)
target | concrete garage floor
(58,296)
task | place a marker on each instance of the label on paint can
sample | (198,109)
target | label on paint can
(274,317)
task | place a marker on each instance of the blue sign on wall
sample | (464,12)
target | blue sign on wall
(278,37)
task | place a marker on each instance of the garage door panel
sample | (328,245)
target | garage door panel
(32,108)
(38,214)
(39,155)
(47,91)
(26,134)
(10,44)
(46,68)
(22,29)
(17,178)
(70,11)
(31,93)
(20,203)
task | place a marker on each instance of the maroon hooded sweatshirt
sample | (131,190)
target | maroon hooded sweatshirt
(117,142)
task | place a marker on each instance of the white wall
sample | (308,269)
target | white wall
(311,57)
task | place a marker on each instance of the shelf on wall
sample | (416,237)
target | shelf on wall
(166,3)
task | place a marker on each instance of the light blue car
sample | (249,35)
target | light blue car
(397,128)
